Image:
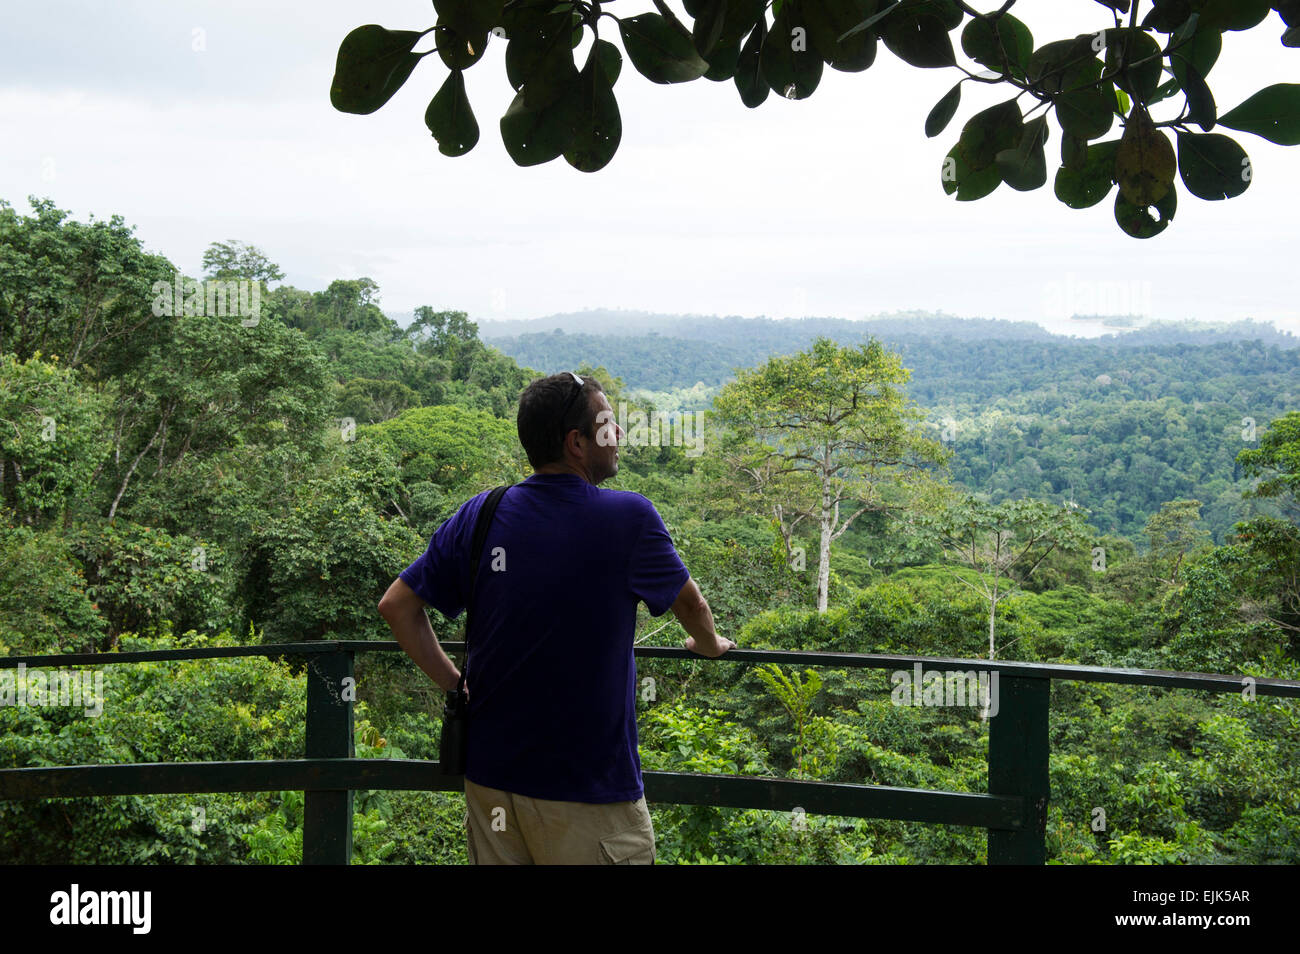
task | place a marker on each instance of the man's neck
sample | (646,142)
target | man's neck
(563,469)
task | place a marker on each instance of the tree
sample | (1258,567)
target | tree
(1111,70)
(1174,535)
(826,427)
(1277,461)
(1004,544)
(235,259)
(81,291)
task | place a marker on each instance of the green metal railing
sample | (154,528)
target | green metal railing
(1014,811)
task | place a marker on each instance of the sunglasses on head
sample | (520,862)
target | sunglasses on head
(572,397)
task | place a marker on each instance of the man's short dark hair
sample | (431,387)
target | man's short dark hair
(541,429)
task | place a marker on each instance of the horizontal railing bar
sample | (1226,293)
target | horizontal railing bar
(1208,682)
(730,791)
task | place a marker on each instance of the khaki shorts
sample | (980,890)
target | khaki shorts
(502,828)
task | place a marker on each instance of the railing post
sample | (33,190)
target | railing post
(1018,765)
(327,815)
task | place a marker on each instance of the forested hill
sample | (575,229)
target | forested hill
(1119,424)
(662,353)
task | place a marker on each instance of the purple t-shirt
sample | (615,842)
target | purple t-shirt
(551,675)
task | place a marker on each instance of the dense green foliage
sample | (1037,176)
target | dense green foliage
(198,480)
(1109,71)
(1118,425)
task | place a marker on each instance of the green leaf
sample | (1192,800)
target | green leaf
(1139,55)
(539,60)
(1190,46)
(1083,187)
(598,126)
(1200,101)
(458,46)
(708,26)
(969,184)
(919,38)
(990,131)
(943,112)
(789,65)
(829,21)
(1273,113)
(742,16)
(723,62)
(660,53)
(450,118)
(533,136)
(1024,168)
(1064,64)
(1213,166)
(986,44)
(1138,221)
(1087,112)
(1223,15)
(372,65)
(611,60)
(1145,163)
(1074,151)
(749,80)
(872,20)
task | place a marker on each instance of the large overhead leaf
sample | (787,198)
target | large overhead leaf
(723,62)
(1139,221)
(1064,64)
(919,37)
(1137,56)
(534,136)
(968,184)
(463,28)
(1145,164)
(749,80)
(597,124)
(708,26)
(1006,46)
(1273,113)
(659,52)
(1024,167)
(372,65)
(791,67)
(990,131)
(943,112)
(1213,166)
(1085,186)
(1233,14)
(1087,112)
(450,118)
(829,20)
(539,59)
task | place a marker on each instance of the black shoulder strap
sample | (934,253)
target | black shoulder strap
(485,515)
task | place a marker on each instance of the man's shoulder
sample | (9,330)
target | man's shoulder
(628,501)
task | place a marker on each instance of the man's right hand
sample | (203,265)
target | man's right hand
(720,645)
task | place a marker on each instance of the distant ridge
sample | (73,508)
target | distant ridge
(660,352)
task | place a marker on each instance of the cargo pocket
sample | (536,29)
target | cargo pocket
(633,846)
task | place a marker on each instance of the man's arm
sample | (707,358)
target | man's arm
(404,611)
(692,611)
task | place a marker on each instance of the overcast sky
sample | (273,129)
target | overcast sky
(206,121)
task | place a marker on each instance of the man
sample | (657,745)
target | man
(552,771)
